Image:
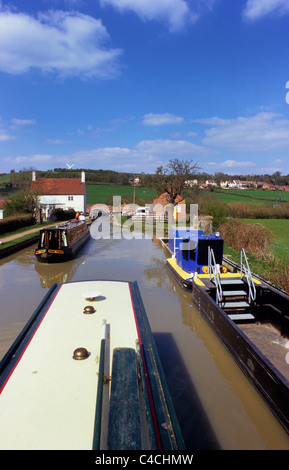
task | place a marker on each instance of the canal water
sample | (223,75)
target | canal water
(217,407)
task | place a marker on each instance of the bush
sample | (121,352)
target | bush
(10,224)
(60,214)
(214,208)
(254,238)
(22,202)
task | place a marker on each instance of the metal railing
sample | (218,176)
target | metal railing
(214,271)
(176,247)
(248,274)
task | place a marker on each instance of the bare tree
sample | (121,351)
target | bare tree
(172,179)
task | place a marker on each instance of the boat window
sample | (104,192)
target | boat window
(189,249)
(42,240)
(64,241)
(216,246)
(193,254)
(54,239)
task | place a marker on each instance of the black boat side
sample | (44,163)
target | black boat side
(250,343)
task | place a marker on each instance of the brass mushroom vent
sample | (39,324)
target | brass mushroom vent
(89,309)
(80,354)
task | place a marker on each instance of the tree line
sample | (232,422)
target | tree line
(99,176)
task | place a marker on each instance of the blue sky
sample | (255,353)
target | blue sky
(127,85)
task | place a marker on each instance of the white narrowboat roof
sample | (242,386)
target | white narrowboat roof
(49,400)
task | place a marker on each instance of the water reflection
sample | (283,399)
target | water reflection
(216,406)
(57,273)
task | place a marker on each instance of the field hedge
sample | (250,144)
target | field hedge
(257,211)
(9,224)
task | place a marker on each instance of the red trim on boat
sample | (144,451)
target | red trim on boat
(21,355)
(152,407)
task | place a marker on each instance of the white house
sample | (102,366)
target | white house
(64,193)
(191,183)
(211,183)
(235,184)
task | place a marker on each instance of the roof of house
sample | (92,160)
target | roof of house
(162,199)
(2,202)
(59,186)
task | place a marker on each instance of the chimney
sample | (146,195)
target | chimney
(33,175)
(83,176)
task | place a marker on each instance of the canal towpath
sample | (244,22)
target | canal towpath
(20,244)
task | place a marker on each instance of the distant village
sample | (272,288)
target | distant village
(70,192)
(236,184)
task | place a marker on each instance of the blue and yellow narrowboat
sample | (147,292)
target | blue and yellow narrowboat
(247,313)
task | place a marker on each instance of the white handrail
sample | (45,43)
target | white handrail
(215,270)
(247,271)
(176,247)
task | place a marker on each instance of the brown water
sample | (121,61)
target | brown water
(216,406)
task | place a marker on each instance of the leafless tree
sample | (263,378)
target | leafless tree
(173,178)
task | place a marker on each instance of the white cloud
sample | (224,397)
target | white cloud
(4,136)
(31,159)
(161,119)
(22,123)
(263,132)
(171,148)
(58,141)
(256,9)
(175,13)
(231,164)
(70,44)
(146,156)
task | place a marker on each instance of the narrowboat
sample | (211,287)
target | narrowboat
(61,242)
(187,249)
(84,374)
(248,314)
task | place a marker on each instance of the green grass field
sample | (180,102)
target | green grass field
(103,193)
(257,196)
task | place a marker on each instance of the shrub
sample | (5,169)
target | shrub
(254,238)
(25,201)
(61,214)
(9,224)
(214,208)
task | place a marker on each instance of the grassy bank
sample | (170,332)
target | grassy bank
(23,235)
(273,262)
(274,270)
(19,240)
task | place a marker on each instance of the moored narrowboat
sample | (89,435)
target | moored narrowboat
(248,314)
(187,249)
(85,374)
(61,242)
